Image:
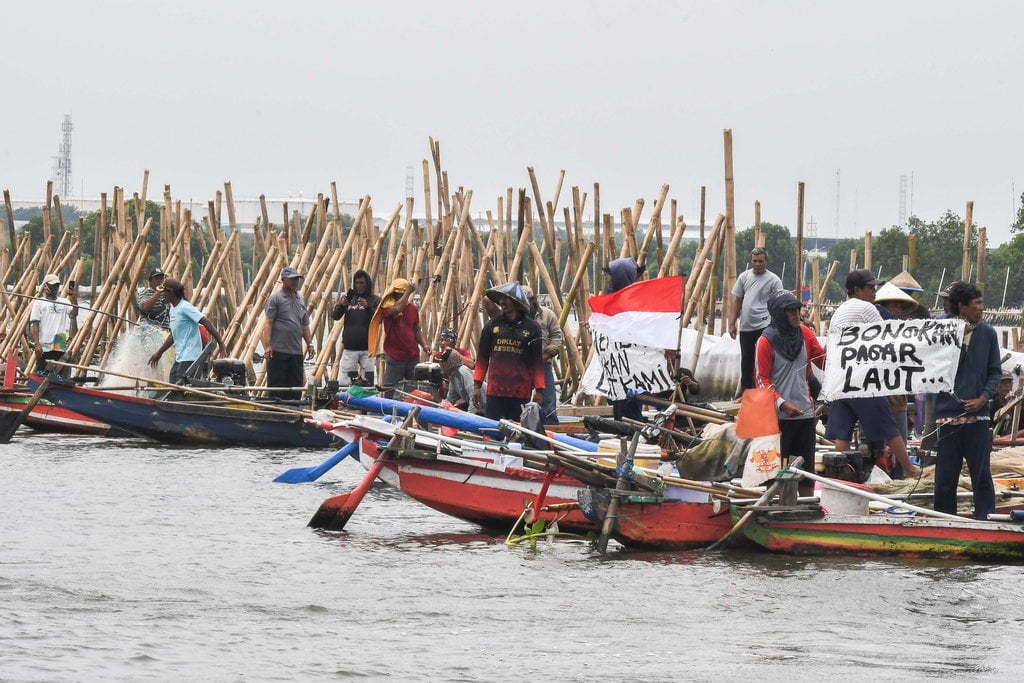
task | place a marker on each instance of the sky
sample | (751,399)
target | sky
(283,98)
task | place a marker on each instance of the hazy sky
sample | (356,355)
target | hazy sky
(285,97)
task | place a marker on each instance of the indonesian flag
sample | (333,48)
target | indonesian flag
(645,313)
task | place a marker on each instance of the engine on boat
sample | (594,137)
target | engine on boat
(852,466)
(229,371)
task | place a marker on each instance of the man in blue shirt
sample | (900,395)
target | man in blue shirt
(185,336)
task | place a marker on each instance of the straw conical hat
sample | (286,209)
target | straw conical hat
(890,292)
(906,281)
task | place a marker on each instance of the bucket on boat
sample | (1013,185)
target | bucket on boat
(230,371)
(838,502)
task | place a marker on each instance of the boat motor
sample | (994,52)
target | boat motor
(229,372)
(854,466)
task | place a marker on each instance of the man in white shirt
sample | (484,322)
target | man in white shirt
(753,286)
(50,321)
(873,412)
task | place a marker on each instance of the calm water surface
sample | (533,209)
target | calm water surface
(123,560)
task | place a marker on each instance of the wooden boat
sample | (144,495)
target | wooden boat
(666,523)
(45,416)
(885,535)
(187,422)
(486,488)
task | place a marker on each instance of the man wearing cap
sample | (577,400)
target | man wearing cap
(285,331)
(873,412)
(963,414)
(50,320)
(750,308)
(403,339)
(554,340)
(185,335)
(152,302)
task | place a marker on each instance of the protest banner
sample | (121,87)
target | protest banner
(891,357)
(617,368)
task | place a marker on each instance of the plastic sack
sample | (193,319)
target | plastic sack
(757,416)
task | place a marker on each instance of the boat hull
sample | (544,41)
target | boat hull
(478,491)
(889,536)
(189,422)
(671,524)
(45,416)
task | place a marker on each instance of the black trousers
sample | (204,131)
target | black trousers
(285,370)
(748,347)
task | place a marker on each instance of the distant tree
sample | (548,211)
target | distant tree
(939,249)
(1006,258)
(1018,223)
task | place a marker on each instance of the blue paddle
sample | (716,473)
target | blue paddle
(298,475)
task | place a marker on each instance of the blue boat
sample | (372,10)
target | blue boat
(198,423)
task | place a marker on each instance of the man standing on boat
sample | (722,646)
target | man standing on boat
(873,412)
(50,321)
(509,356)
(357,307)
(963,416)
(554,340)
(284,332)
(184,324)
(403,339)
(152,302)
(751,291)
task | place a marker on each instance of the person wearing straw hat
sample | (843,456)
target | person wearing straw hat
(285,331)
(50,320)
(509,356)
(963,414)
(399,318)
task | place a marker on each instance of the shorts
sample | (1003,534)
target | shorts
(873,413)
(352,359)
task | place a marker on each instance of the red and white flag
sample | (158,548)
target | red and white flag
(645,313)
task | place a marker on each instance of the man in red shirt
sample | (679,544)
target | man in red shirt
(403,337)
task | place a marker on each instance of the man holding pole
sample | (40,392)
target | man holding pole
(753,286)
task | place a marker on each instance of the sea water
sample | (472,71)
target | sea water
(126,560)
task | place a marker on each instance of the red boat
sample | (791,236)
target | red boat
(46,416)
(491,490)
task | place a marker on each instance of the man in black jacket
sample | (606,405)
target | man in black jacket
(357,306)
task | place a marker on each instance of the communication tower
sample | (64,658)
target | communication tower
(835,224)
(903,201)
(408,182)
(62,166)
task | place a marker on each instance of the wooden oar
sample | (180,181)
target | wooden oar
(335,512)
(9,422)
(749,514)
(298,475)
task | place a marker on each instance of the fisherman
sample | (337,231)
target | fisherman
(50,320)
(962,415)
(185,336)
(873,412)
(509,357)
(751,291)
(554,340)
(284,331)
(403,338)
(152,302)
(999,401)
(784,355)
(357,307)
(457,370)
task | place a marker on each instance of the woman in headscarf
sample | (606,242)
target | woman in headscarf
(782,363)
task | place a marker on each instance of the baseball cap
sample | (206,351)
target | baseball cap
(153,273)
(289,273)
(51,279)
(861,278)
